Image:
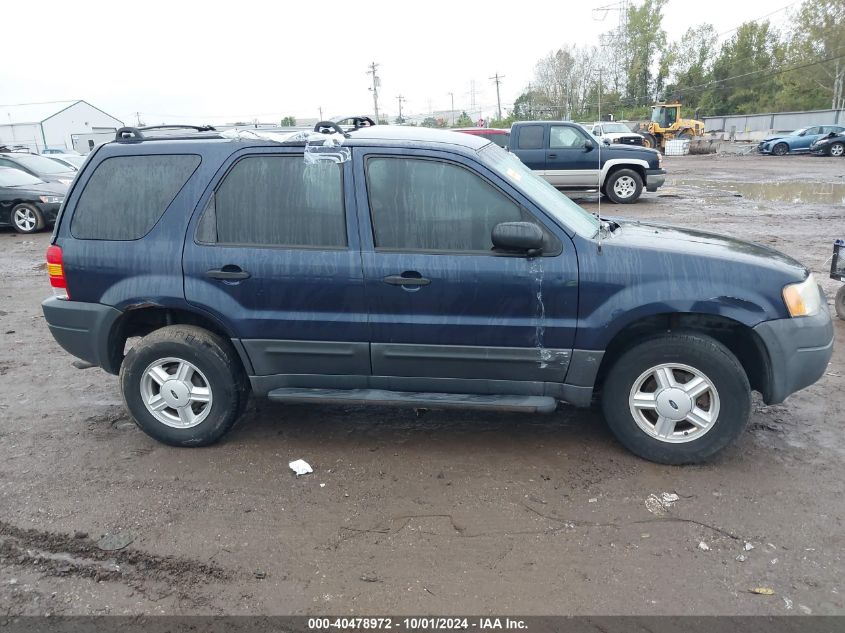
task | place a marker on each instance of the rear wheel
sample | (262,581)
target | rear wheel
(839,303)
(781,149)
(837,149)
(183,385)
(26,218)
(677,398)
(623,186)
(649,140)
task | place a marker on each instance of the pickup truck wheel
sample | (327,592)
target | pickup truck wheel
(27,219)
(677,398)
(624,186)
(837,149)
(183,385)
(781,149)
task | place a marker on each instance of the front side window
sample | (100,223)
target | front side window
(278,201)
(431,205)
(565,137)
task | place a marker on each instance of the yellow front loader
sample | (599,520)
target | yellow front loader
(666,124)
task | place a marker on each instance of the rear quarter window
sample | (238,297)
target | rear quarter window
(531,137)
(127,195)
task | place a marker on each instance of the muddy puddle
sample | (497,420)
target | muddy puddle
(790,192)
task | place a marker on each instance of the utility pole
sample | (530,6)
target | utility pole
(400,99)
(320,108)
(452,111)
(472,95)
(376,83)
(497,79)
(138,118)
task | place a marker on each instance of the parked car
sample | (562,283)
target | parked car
(831,145)
(569,157)
(415,267)
(58,150)
(614,132)
(73,161)
(796,142)
(499,136)
(27,203)
(39,166)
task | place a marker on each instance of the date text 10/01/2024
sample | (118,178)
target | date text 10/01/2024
(423,623)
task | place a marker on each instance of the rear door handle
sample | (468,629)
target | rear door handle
(552,156)
(399,280)
(228,273)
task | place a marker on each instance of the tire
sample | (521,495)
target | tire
(623,186)
(685,135)
(721,411)
(26,218)
(780,149)
(649,140)
(839,303)
(200,405)
(836,149)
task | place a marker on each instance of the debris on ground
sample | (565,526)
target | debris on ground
(660,505)
(704,547)
(115,541)
(261,575)
(300,467)
(762,591)
(741,558)
(748,547)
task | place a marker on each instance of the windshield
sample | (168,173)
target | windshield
(41,165)
(16,178)
(799,131)
(615,128)
(75,161)
(547,197)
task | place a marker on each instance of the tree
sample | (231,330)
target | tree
(289,121)
(463,120)
(645,42)
(818,36)
(688,63)
(744,77)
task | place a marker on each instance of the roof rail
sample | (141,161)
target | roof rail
(136,134)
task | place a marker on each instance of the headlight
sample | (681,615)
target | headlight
(51,199)
(802,299)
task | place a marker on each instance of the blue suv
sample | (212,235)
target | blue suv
(413,267)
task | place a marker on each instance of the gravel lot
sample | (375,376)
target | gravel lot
(439,513)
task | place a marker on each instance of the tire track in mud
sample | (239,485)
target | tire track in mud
(58,554)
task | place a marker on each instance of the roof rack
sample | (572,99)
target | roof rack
(136,134)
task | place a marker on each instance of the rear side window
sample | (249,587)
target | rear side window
(531,137)
(278,201)
(127,195)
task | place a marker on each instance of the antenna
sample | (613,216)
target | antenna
(600,143)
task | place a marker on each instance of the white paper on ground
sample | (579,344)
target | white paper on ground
(300,467)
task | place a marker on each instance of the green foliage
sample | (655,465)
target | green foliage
(645,39)
(288,121)
(464,121)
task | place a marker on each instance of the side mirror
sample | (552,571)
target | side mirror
(519,237)
(588,145)
(606,141)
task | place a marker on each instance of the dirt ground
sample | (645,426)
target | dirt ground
(439,513)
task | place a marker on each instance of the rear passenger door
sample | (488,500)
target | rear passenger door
(273,254)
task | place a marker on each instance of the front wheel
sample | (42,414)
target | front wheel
(183,385)
(837,149)
(677,398)
(649,140)
(27,219)
(781,149)
(623,186)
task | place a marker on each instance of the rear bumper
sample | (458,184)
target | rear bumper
(799,351)
(654,179)
(83,329)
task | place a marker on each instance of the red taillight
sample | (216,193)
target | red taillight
(56,270)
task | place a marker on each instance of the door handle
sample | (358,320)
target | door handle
(399,280)
(552,156)
(227,273)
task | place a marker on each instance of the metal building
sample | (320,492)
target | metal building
(63,125)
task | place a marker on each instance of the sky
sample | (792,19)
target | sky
(225,61)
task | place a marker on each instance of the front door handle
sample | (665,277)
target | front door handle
(401,280)
(228,273)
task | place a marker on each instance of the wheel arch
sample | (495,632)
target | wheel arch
(142,319)
(739,338)
(615,164)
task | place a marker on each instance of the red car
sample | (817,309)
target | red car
(499,136)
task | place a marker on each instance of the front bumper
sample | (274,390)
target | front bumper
(764,148)
(654,179)
(49,211)
(84,329)
(799,350)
